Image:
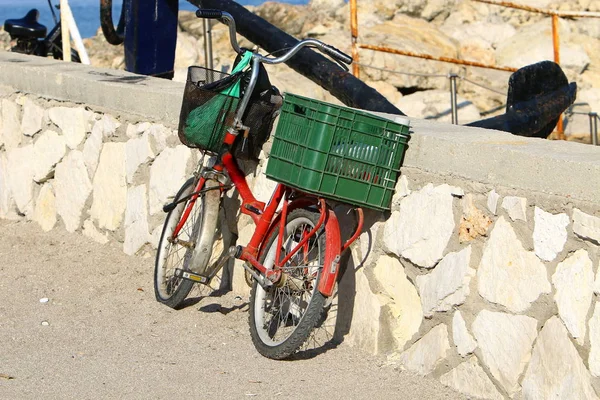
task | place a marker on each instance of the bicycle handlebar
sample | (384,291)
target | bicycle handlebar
(228,20)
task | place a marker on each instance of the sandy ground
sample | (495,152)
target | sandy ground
(101,334)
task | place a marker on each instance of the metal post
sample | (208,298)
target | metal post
(452,76)
(556,46)
(64,31)
(594,127)
(354,37)
(208,52)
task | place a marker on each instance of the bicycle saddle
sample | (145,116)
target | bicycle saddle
(27,26)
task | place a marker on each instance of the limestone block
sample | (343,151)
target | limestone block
(167,174)
(492,201)
(45,208)
(92,148)
(574,283)
(556,370)
(110,187)
(448,284)
(137,152)
(516,207)
(134,131)
(401,191)
(89,230)
(474,222)
(594,358)
(597,282)
(72,188)
(424,356)
(33,116)
(160,133)
(11,124)
(20,171)
(505,341)
(365,328)
(73,122)
(586,226)
(464,342)
(549,234)
(48,150)
(155,236)
(508,274)
(422,228)
(108,125)
(7,203)
(136,220)
(469,378)
(400,298)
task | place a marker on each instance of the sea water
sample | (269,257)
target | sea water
(86,12)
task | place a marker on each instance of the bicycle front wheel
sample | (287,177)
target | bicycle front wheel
(174,254)
(283,316)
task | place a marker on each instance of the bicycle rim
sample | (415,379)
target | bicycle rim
(173,254)
(282,318)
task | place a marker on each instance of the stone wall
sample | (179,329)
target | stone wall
(485,274)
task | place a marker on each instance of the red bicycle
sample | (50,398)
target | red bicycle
(294,254)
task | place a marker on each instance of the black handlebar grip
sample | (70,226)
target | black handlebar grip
(210,14)
(337,54)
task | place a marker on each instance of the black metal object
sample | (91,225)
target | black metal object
(537,95)
(114,36)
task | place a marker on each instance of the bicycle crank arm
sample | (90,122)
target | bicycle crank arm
(262,281)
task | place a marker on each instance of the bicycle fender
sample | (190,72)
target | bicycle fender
(333,246)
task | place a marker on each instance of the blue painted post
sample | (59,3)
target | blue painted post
(151,37)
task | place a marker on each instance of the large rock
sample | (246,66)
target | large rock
(474,222)
(45,208)
(425,355)
(508,274)
(516,207)
(49,149)
(435,105)
(7,203)
(556,370)
(549,234)
(574,281)
(594,357)
(73,122)
(33,116)
(448,284)
(469,378)
(586,226)
(110,187)
(137,152)
(365,329)
(72,188)
(505,341)
(136,220)
(464,342)
(20,177)
(537,39)
(10,124)
(92,148)
(403,315)
(167,174)
(422,228)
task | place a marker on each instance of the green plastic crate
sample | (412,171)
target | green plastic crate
(337,152)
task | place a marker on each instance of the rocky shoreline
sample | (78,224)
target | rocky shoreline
(463,29)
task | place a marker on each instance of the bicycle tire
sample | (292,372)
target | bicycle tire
(289,299)
(168,288)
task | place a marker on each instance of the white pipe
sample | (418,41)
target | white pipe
(83,56)
(64,31)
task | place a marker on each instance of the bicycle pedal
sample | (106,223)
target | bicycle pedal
(190,276)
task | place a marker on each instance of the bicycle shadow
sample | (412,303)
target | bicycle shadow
(335,325)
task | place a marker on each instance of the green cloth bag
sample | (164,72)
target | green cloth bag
(206,125)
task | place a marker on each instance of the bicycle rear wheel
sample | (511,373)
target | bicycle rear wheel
(283,316)
(174,254)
